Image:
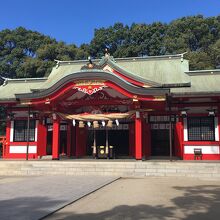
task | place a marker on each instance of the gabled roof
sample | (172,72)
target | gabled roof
(157,71)
(111,62)
(168,71)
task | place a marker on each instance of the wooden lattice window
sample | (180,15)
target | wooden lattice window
(20,131)
(201,128)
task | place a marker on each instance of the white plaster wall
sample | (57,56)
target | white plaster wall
(22,149)
(189,149)
(185,131)
(12,131)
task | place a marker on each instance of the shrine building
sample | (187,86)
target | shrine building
(139,107)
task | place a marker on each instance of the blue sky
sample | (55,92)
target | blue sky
(74,21)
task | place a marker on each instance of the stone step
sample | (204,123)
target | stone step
(122,168)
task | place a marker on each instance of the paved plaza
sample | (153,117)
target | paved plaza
(31,197)
(154,198)
(34,197)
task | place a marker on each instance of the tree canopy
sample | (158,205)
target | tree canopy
(26,53)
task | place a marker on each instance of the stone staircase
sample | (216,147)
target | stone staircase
(121,168)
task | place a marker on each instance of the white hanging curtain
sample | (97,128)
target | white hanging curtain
(98,117)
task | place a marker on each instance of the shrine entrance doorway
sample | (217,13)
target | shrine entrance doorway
(118,138)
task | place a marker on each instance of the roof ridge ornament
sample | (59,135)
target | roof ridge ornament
(57,63)
(182,54)
(90,65)
(107,54)
(107,57)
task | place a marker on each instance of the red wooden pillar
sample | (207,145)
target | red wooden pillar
(41,138)
(178,138)
(138,136)
(56,139)
(68,139)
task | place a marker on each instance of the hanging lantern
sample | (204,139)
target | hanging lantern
(95,124)
(74,122)
(89,124)
(117,122)
(103,123)
(81,124)
(110,124)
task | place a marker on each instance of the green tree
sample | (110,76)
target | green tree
(215,53)
(25,53)
(195,34)
(199,60)
(16,46)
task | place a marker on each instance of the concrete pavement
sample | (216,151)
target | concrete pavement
(148,198)
(31,197)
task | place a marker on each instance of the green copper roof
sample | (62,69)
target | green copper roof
(13,86)
(163,71)
(159,71)
(202,81)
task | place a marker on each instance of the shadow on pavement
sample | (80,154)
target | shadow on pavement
(197,202)
(26,208)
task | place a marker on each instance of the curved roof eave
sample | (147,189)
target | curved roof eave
(111,63)
(95,75)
